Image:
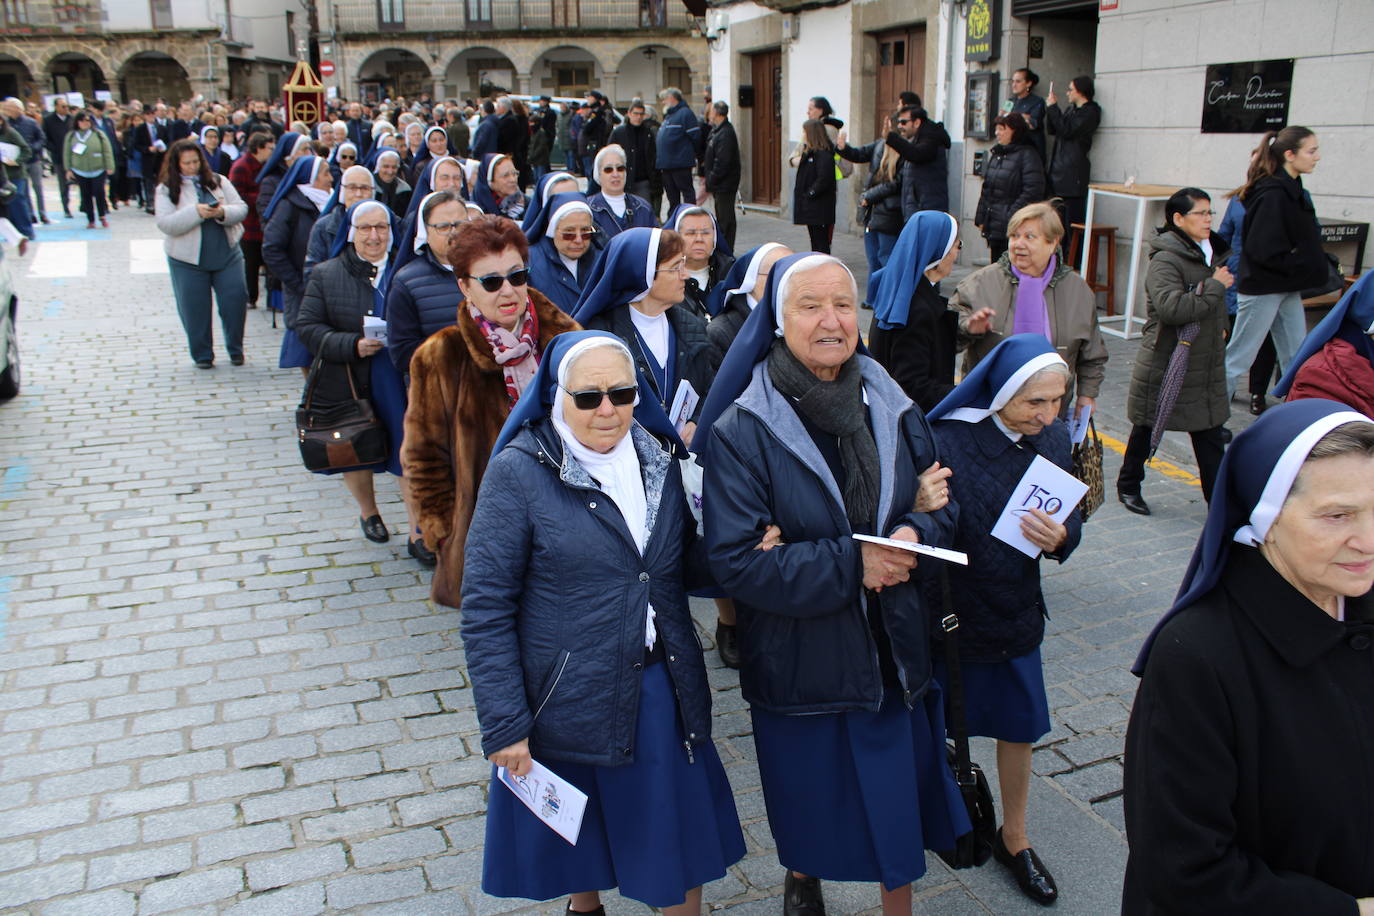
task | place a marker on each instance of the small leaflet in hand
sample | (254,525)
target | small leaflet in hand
(374,328)
(552,799)
(1044,486)
(1078,424)
(939,553)
(684,405)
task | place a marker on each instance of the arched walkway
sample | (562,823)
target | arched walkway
(72,72)
(15,77)
(476,73)
(567,70)
(648,69)
(151,75)
(393,72)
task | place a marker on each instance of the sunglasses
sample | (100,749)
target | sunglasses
(573,235)
(608,169)
(591,399)
(493,282)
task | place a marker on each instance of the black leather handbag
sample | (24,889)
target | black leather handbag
(346,435)
(975,847)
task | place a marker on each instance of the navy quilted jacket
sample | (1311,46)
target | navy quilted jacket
(997,596)
(555,596)
(423,300)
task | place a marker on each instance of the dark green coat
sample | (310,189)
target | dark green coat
(1172,300)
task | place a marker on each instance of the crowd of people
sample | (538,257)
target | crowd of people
(596,409)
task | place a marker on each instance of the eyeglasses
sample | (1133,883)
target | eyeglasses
(446,227)
(903,120)
(592,397)
(573,235)
(360,188)
(679,268)
(1202,213)
(608,169)
(376,229)
(492,282)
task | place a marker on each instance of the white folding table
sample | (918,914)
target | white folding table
(1142,194)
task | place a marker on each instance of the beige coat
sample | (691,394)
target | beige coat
(1072,309)
(180,223)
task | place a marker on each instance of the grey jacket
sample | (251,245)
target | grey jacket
(180,223)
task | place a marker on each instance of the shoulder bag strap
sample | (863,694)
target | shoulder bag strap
(963,763)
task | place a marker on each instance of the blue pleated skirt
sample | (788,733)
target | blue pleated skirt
(1003,700)
(655,829)
(860,796)
(294,353)
(274,300)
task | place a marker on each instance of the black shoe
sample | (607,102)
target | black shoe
(1133,503)
(236,360)
(1258,404)
(866,306)
(422,554)
(374,529)
(252,305)
(1030,873)
(802,896)
(1227,435)
(599,911)
(205,364)
(727,644)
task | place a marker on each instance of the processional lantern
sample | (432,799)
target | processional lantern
(304,96)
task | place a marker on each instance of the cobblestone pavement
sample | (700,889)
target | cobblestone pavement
(217,697)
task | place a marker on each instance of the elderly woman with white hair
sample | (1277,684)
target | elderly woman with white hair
(581,647)
(392,189)
(613,208)
(354,185)
(804,432)
(992,426)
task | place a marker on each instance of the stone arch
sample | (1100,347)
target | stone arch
(478,70)
(153,73)
(76,71)
(397,69)
(647,68)
(16,76)
(568,69)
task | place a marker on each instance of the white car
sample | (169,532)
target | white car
(9,335)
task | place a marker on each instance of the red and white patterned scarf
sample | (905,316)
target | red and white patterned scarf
(518,357)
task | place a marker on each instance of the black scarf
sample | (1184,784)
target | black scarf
(837,409)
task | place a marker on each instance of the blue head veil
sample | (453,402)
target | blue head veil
(741,277)
(1255,478)
(345,233)
(540,227)
(1351,319)
(302,171)
(686,209)
(424,185)
(537,202)
(539,396)
(482,193)
(411,237)
(997,378)
(285,147)
(622,273)
(925,240)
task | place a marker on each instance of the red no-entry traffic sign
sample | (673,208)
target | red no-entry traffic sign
(326,68)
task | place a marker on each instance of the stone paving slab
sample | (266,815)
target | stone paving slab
(217,697)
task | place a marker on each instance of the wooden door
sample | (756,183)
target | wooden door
(766,128)
(901,66)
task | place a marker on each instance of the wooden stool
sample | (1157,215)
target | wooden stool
(1099,233)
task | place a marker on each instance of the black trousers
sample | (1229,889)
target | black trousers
(1208,446)
(725,215)
(252,266)
(820,237)
(149,191)
(677,184)
(997,248)
(92,196)
(64,187)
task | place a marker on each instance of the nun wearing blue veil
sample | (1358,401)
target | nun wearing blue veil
(355,184)
(562,252)
(343,290)
(341,157)
(735,297)
(1336,359)
(803,431)
(498,187)
(547,186)
(392,189)
(287,221)
(1251,742)
(439,176)
(709,258)
(634,285)
(914,332)
(435,145)
(991,427)
(286,150)
(581,648)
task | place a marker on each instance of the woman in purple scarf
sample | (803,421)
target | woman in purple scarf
(1029,290)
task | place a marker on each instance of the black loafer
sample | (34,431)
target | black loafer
(802,896)
(374,529)
(205,364)
(599,911)
(1030,873)
(727,644)
(422,554)
(236,360)
(1258,404)
(1133,503)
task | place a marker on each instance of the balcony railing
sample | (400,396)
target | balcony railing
(424,16)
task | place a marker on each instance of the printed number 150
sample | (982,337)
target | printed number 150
(1040,498)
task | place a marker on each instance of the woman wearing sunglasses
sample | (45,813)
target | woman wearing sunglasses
(614,209)
(561,249)
(465,379)
(580,644)
(632,290)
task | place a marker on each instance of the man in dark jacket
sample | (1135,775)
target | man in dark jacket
(457,130)
(484,138)
(33,135)
(56,123)
(679,147)
(151,140)
(637,140)
(921,143)
(595,133)
(16,170)
(186,124)
(721,168)
(1073,130)
(359,130)
(260,118)
(1029,106)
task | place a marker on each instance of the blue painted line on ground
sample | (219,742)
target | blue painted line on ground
(16,476)
(75,235)
(58,281)
(53,309)
(5,583)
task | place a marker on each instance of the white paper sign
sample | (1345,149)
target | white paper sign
(76,100)
(1044,486)
(103,95)
(684,404)
(939,553)
(374,328)
(552,799)
(1078,424)
(9,153)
